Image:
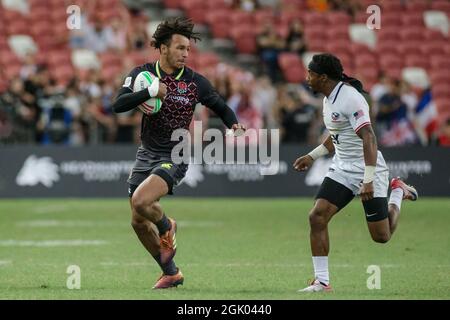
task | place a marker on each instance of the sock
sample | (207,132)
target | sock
(163,225)
(321,269)
(169,268)
(396,197)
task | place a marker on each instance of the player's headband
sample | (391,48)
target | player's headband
(317,68)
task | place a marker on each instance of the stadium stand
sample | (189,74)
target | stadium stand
(413,34)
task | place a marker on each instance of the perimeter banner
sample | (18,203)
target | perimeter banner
(102,171)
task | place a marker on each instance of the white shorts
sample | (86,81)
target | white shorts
(351,175)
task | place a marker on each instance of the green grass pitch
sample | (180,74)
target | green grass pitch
(227,249)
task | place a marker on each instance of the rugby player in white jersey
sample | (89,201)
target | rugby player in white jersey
(358,168)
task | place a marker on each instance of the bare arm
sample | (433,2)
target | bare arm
(305,162)
(370,159)
(369,144)
(328,143)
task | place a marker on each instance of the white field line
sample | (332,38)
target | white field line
(199,224)
(67,223)
(228,265)
(49,208)
(51,243)
(5,262)
(100,224)
(249,265)
(114,264)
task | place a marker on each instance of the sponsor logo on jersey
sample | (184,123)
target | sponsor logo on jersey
(180,99)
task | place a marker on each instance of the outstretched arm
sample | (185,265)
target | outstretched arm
(212,100)
(223,111)
(305,162)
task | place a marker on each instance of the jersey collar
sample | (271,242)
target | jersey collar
(158,71)
(333,95)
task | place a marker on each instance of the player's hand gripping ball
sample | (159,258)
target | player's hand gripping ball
(148,81)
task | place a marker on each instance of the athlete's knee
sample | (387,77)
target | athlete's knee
(138,223)
(155,206)
(381,237)
(317,221)
(140,203)
(319,216)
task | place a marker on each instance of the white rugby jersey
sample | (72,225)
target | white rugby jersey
(346,111)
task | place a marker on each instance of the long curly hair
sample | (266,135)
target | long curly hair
(168,28)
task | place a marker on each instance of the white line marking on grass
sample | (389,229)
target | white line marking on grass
(67,223)
(5,262)
(199,224)
(100,224)
(228,265)
(112,264)
(278,265)
(49,208)
(51,243)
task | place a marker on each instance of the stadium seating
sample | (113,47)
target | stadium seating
(85,59)
(340,32)
(440,62)
(437,20)
(292,67)
(416,76)
(441,5)
(317,45)
(433,48)
(62,73)
(394,6)
(417,6)
(172,4)
(22,44)
(361,34)
(424,43)
(441,90)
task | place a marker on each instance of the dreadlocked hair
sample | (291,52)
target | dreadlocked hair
(166,29)
(332,67)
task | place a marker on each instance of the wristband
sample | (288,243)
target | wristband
(369,174)
(318,152)
(154,88)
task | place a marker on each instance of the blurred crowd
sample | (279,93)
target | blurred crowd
(36,109)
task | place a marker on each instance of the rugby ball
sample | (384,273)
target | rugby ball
(143,80)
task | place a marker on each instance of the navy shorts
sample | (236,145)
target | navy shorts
(376,209)
(147,163)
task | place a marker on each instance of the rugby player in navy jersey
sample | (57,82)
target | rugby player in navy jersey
(154,174)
